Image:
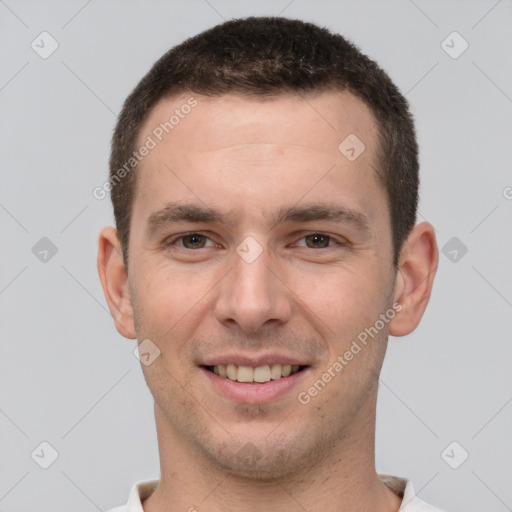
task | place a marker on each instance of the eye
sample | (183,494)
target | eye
(190,241)
(318,241)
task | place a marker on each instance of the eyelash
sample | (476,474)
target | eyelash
(337,242)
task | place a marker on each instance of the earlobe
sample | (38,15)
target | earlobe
(114,281)
(415,278)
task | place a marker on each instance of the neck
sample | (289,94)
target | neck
(344,479)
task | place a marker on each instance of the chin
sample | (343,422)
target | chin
(265,459)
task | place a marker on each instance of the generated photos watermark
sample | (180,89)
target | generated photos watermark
(151,142)
(343,360)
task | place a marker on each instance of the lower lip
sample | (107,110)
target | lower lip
(254,393)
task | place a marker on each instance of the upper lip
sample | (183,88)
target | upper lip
(254,360)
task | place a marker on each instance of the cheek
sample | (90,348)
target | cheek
(346,307)
(164,295)
(341,302)
(157,303)
(167,305)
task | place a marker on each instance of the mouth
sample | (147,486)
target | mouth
(258,374)
(245,384)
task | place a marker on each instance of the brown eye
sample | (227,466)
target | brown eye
(317,240)
(193,241)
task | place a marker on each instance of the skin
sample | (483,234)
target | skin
(251,157)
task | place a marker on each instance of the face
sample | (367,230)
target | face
(257,245)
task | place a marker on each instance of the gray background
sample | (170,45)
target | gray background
(68,378)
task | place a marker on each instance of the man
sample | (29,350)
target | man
(264,178)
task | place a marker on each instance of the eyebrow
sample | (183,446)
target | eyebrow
(176,212)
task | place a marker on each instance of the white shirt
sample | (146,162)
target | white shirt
(410,502)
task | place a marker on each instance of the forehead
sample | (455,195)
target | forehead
(316,120)
(251,150)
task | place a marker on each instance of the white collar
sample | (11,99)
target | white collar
(400,486)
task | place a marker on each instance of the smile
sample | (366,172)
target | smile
(259,384)
(258,374)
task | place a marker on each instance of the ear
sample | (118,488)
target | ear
(417,267)
(114,280)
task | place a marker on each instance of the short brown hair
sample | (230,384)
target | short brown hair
(266,57)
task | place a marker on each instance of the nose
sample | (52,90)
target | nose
(253,295)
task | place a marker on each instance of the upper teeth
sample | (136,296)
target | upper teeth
(259,374)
